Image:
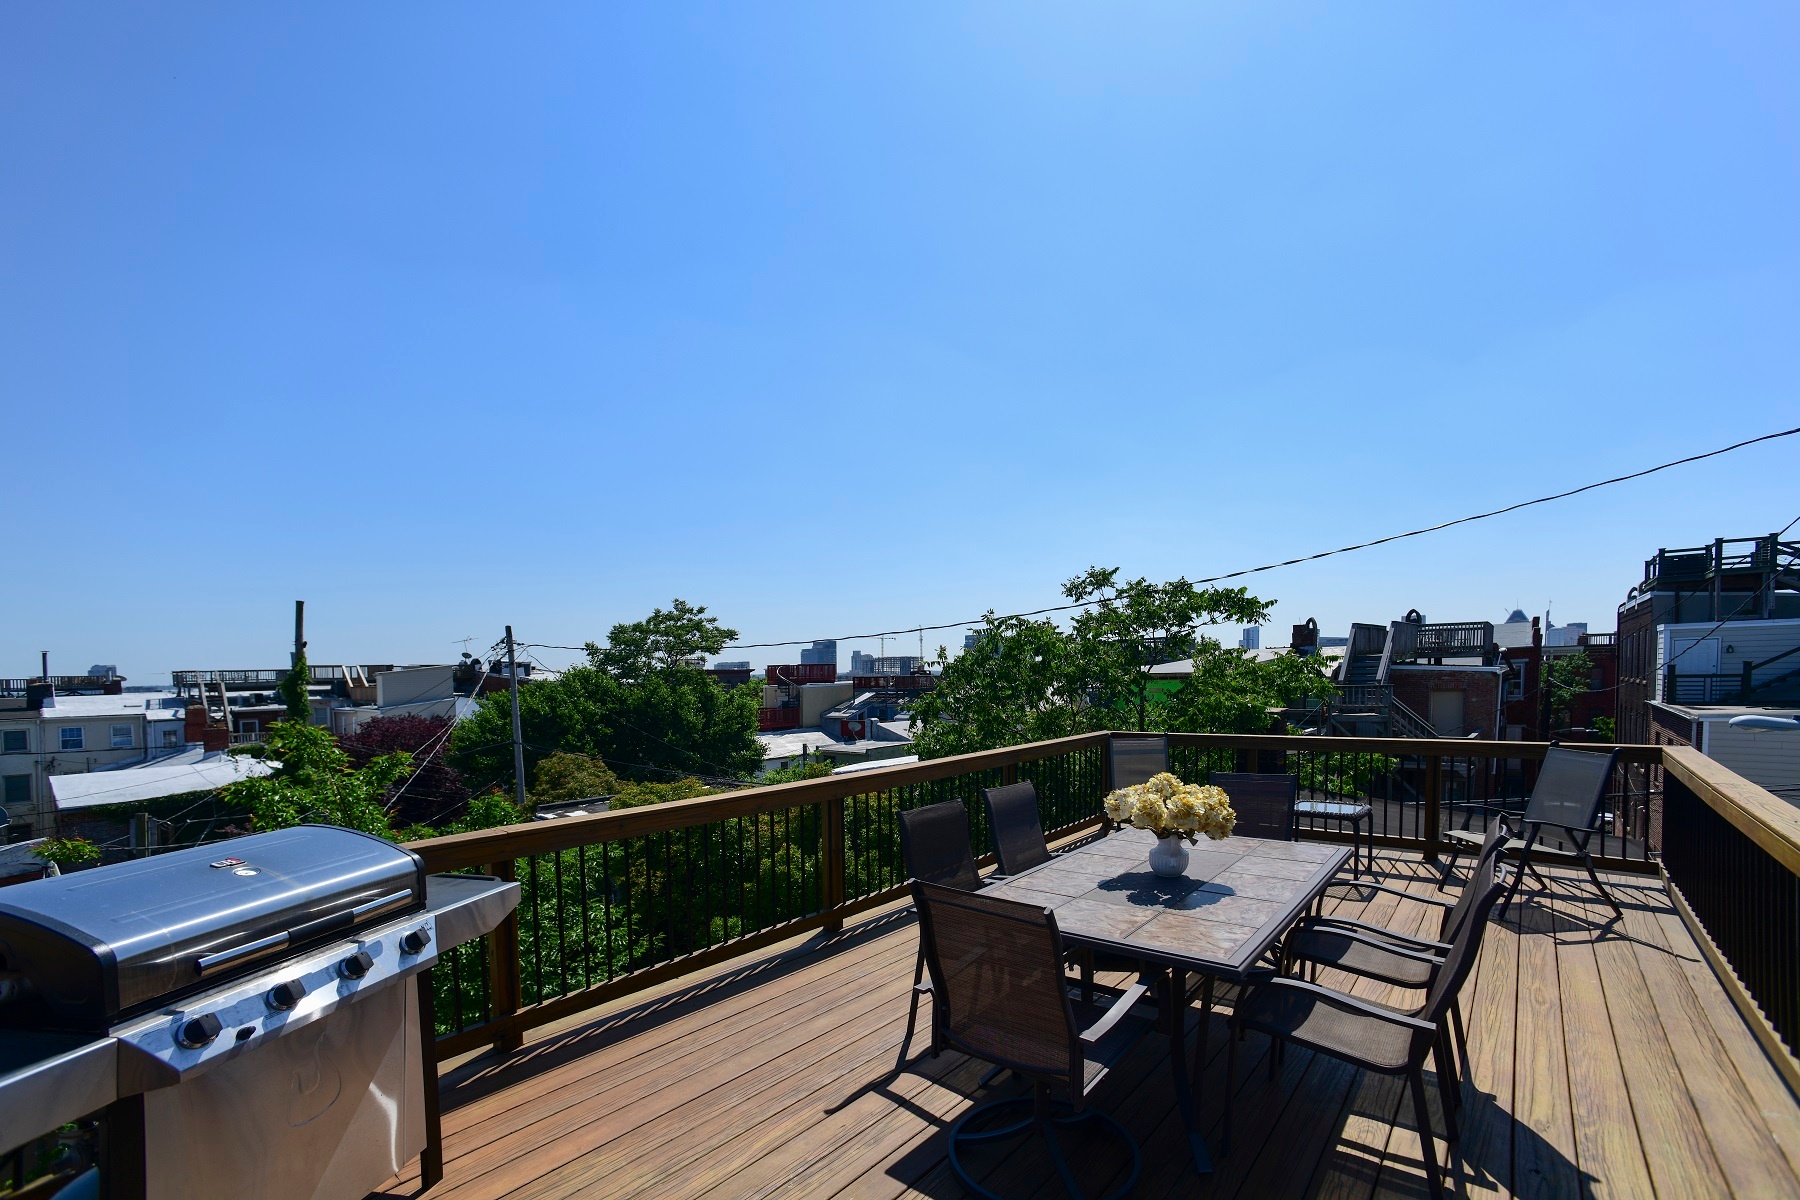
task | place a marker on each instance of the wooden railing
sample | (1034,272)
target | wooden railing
(620,901)
(1461,639)
(1732,864)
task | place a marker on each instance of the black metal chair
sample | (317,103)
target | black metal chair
(1264,803)
(996,970)
(1372,1036)
(1386,955)
(934,846)
(1017,830)
(1135,758)
(1571,787)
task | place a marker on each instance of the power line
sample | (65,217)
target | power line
(1289,562)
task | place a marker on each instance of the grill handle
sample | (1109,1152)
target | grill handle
(224,960)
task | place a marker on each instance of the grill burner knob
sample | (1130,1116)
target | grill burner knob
(198,1032)
(357,965)
(415,941)
(286,995)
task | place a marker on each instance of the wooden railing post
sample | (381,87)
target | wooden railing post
(504,989)
(1434,813)
(832,834)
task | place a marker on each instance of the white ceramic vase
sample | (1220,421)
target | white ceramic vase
(1169,857)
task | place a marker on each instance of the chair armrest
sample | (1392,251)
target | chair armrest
(1425,945)
(1392,891)
(1352,935)
(1352,1004)
(1124,1004)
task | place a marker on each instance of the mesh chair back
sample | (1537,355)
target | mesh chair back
(1570,787)
(1264,803)
(1018,832)
(996,967)
(1134,760)
(934,845)
(1483,867)
(1486,884)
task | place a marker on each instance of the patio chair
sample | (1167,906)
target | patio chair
(1264,803)
(1134,758)
(1369,1035)
(996,968)
(934,846)
(1386,955)
(1570,789)
(1017,829)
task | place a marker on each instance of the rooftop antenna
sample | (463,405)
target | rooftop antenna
(464,643)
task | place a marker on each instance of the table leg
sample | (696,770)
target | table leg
(1175,995)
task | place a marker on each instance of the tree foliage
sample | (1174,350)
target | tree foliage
(638,705)
(316,783)
(1028,680)
(292,690)
(434,791)
(1565,678)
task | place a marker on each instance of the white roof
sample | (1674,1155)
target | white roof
(875,764)
(153,780)
(132,704)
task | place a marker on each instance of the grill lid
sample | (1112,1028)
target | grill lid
(95,946)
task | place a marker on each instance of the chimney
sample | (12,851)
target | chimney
(40,695)
(1537,635)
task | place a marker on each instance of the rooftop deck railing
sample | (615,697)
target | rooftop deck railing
(621,901)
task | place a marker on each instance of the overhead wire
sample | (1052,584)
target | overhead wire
(1272,566)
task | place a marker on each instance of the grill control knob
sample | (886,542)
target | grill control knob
(287,994)
(357,965)
(197,1031)
(415,941)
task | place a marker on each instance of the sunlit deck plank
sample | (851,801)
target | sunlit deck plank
(765,1079)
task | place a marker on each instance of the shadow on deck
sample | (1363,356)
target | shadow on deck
(1607,1060)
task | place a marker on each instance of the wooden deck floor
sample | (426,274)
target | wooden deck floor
(1608,1062)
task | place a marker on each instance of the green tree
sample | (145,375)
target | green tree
(1130,626)
(639,705)
(1020,682)
(1231,692)
(1027,680)
(292,691)
(563,778)
(1565,678)
(315,783)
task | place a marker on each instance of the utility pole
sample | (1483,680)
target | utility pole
(512,672)
(299,633)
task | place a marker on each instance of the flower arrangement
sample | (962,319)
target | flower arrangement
(1168,807)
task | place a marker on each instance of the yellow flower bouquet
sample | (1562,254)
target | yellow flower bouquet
(1168,808)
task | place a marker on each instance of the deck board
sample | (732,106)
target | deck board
(1607,1062)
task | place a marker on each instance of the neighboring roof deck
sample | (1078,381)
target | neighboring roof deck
(1606,1062)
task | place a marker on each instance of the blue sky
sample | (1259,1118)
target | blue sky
(841,318)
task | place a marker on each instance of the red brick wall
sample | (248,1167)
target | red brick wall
(1480,688)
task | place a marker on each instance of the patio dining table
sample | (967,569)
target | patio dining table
(1234,903)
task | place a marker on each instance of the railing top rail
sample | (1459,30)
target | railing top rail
(1448,747)
(506,842)
(459,851)
(1759,814)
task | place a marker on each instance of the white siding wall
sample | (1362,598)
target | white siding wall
(1748,640)
(1769,759)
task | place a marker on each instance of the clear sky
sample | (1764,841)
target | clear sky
(843,317)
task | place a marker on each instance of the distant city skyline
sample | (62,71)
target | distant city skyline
(837,319)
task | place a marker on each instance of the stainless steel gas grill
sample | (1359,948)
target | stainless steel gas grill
(254,1016)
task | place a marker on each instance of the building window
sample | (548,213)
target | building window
(1597,680)
(121,737)
(171,737)
(12,741)
(249,727)
(71,738)
(17,790)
